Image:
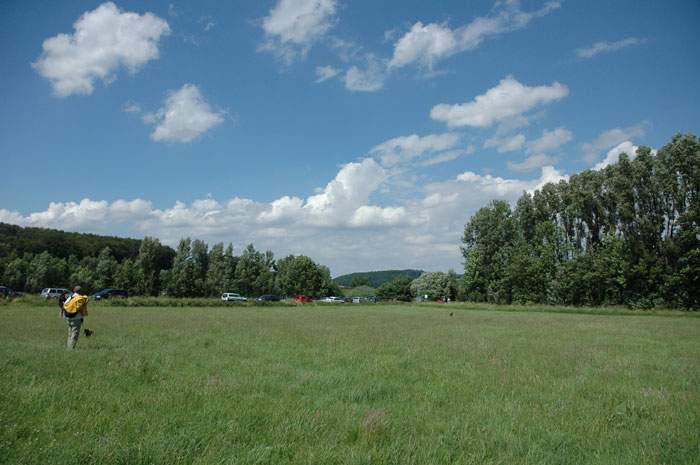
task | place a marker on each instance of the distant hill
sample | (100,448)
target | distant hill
(375,278)
(16,240)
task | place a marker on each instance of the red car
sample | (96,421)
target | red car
(302,298)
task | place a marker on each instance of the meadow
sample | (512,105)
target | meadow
(350,384)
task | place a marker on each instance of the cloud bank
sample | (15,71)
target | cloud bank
(340,225)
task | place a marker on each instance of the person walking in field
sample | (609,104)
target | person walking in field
(74,310)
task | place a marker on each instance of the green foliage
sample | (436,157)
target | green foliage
(359,280)
(374,278)
(628,234)
(359,291)
(127,276)
(254,272)
(435,285)
(106,269)
(150,261)
(398,288)
(301,275)
(191,272)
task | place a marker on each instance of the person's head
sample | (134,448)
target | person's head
(76,289)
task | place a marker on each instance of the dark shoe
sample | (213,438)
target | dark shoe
(88,333)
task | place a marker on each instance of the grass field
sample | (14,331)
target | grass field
(403,384)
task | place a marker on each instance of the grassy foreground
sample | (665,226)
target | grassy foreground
(401,384)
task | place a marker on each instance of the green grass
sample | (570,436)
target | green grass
(400,384)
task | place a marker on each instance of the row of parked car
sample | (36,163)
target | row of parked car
(235,297)
(8,292)
(56,292)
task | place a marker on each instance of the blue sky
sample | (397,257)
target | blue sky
(362,136)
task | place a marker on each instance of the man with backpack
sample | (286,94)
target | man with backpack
(74,309)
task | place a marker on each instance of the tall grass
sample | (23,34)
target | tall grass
(400,384)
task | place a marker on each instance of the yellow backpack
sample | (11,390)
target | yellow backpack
(76,304)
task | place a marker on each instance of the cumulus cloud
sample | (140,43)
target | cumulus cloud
(293,26)
(324,73)
(603,47)
(350,190)
(532,162)
(404,149)
(104,40)
(613,154)
(372,216)
(347,230)
(509,99)
(427,44)
(505,144)
(550,140)
(369,79)
(610,138)
(507,188)
(184,117)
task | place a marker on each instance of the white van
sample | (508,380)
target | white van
(233,297)
(53,292)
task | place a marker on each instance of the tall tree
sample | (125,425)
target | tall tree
(149,263)
(106,269)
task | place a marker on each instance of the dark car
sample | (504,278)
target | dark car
(268,298)
(109,292)
(8,292)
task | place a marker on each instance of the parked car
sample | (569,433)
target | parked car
(364,299)
(233,297)
(268,298)
(333,300)
(53,292)
(110,292)
(302,298)
(8,292)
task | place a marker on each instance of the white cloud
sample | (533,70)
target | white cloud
(505,144)
(610,138)
(185,116)
(550,140)
(340,226)
(603,47)
(104,40)
(284,208)
(509,189)
(350,190)
(404,149)
(373,216)
(613,154)
(324,73)
(444,157)
(424,44)
(430,43)
(293,26)
(532,162)
(370,79)
(507,100)
(131,107)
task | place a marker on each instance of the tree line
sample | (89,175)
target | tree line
(192,270)
(627,234)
